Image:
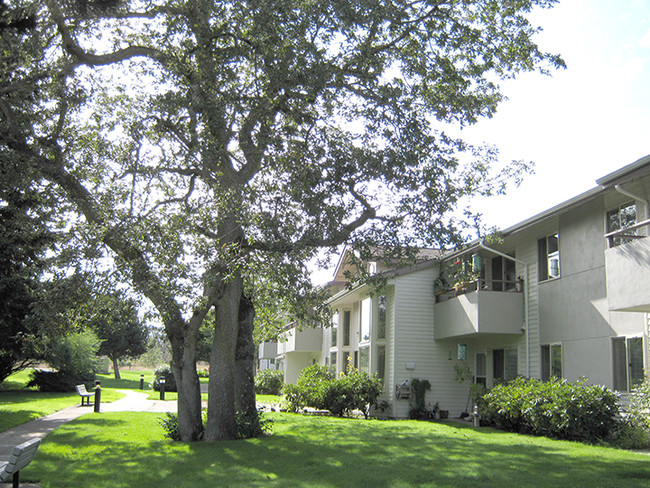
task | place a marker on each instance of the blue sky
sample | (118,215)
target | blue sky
(580,123)
(583,122)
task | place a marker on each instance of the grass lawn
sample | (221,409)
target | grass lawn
(128,449)
(19,404)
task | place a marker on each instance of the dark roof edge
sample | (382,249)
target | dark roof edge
(562,207)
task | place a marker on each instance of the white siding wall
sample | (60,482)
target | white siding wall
(414,343)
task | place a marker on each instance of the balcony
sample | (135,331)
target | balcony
(482,307)
(296,340)
(627,263)
(268,350)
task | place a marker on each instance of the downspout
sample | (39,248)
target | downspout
(526,288)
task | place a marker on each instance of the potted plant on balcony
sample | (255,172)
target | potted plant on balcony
(464,274)
(440,284)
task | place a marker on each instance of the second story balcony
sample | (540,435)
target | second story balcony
(627,263)
(479,307)
(308,339)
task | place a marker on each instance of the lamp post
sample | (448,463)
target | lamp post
(162,387)
(142,382)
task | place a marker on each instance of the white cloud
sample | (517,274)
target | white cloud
(645,40)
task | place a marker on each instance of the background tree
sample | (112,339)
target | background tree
(23,241)
(267,131)
(114,318)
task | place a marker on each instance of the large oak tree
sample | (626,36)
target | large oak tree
(208,143)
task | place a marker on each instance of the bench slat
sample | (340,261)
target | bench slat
(21,456)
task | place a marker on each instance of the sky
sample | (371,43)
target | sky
(578,124)
(581,123)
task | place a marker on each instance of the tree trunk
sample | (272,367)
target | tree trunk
(183,365)
(221,424)
(116,369)
(245,359)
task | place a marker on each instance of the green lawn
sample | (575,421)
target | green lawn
(128,449)
(19,404)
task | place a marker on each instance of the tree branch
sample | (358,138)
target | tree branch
(91,59)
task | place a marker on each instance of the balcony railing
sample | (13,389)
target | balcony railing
(479,285)
(628,234)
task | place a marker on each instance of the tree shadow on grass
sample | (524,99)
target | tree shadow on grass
(330,452)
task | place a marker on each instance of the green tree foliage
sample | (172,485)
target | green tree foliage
(23,241)
(267,131)
(74,359)
(114,318)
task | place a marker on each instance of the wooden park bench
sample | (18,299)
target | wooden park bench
(81,389)
(20,457)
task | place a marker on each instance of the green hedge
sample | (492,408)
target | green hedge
(269,382)
(318,388)
(556,408)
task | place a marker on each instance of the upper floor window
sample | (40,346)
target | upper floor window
(335,328)
(621,217)
(381,317)
(548,257)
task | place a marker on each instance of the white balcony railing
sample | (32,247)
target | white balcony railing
(626,235)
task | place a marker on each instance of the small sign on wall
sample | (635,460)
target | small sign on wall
(410,366)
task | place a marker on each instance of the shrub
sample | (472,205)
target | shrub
(634,430)
(170,381)
(269,382)
(556,408)
(74,357)
(308,390)
(318,388)
(170,425)
(56,381)
(417,401)
(639,409)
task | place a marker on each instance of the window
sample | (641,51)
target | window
(381,362)
(364,359)
(347,362)
(365,319)
(503,274)
(548,255)
(333,361)
(628,362)
(619,218)
(346,328)
(481,369)
(335,328)
(551,361)
(381,317)
(505,364)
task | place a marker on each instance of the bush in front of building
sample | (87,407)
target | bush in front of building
(556,408)
(341,395)
(170,381)
(634,429)
(269,382)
